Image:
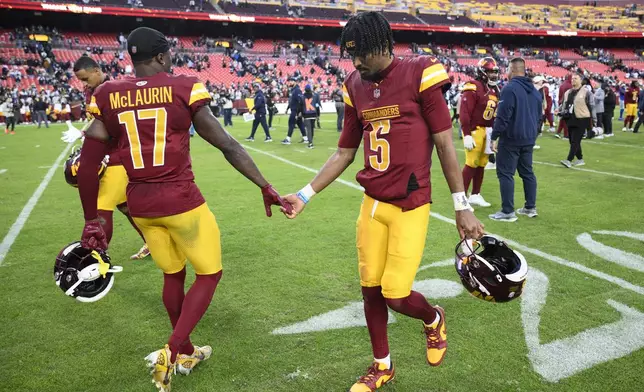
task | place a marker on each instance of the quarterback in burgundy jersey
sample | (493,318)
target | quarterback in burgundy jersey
(396,107)
(630,99)
(113,183)
(477,112)
(149,117)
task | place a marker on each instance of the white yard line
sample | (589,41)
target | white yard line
(523,248)
(17,226)
(591,171)
(3,171)
(582,169)
(613,144)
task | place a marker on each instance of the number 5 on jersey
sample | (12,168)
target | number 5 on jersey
(379,145)
(129,120)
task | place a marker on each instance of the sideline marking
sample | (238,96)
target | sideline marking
(17,226)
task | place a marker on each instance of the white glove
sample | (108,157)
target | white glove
(71,134)
(468,143)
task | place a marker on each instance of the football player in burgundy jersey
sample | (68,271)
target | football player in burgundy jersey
(111,193)
(148,117)
(477,112)
(396,107)
(630,99)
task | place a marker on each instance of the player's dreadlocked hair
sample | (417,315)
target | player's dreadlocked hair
(367,33)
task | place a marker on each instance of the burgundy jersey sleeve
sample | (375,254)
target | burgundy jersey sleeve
(351,135)
(469,101)
(433,79)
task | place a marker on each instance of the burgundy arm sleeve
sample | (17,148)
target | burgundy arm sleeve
(468,104)
(92,154)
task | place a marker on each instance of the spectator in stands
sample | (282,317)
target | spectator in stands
(609,109)
(577,112)
(515,127)
(259,108)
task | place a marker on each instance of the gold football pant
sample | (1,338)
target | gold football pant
(477,157)
(390,246)
(193,235)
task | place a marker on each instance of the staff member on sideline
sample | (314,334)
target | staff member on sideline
(515,127)
(610,101)
(577,111)
(260,115)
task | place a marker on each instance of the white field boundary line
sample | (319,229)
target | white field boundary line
(582,169)
(17,226)
(614,144)
(523,248)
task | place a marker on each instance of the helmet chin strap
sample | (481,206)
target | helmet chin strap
(492,83)
(91,273)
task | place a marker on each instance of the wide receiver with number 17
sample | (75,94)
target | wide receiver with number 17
(397,107)
(149,117)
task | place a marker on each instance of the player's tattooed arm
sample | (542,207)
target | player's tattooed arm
(209,128)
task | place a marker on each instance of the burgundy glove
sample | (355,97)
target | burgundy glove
(93,236)
(271,197)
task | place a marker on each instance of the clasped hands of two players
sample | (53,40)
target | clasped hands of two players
(94,237)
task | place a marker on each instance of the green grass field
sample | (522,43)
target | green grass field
(579,326)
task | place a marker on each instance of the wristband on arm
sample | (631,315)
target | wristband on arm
(306,193)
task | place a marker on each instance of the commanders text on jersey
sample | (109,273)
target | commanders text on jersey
(144,96)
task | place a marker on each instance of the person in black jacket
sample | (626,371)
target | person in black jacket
(308,113)
(610,101)
(259,108)
(270,105)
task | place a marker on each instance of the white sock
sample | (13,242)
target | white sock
(288,138)
(434,323)
(386,360)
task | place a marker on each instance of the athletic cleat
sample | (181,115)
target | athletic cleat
(579,162)
(187,363)
(566,163)
(624,129)
(268,140)
(558,136)
(478,200)
(286,141)
(536,147)
(142,253)
(436,340)
(161,369)
(250,139)
(377,376)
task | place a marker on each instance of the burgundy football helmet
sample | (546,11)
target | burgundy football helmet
(490,270)
(487,71)
(73,162)
(84,274)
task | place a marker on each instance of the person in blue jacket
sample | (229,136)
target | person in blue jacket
(515,127)
(294,102)
(259,107)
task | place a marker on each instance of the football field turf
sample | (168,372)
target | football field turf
(287,314)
